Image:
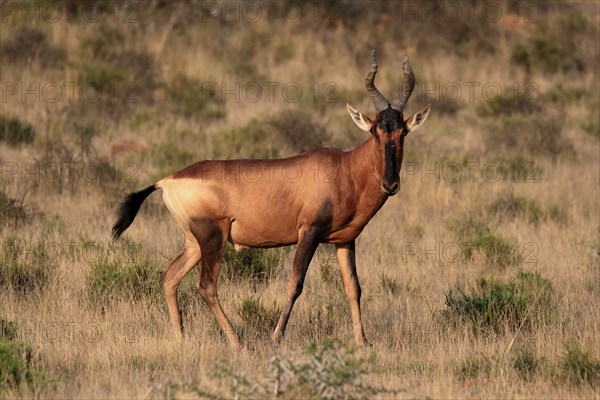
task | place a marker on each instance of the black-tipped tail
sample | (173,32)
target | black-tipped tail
(128,210)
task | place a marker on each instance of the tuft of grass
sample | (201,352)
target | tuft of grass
(526,363)
(27,44)
(330,276)
(579,366)
(528,135)
(388,284)
(517,103)
(14,132)
(17,363)
(475,236)
(193,97)
(15,359)
(8,330)
(135,279)
(511,206)
(257,317)
(473,367)
(11,211)
(258,265)
(517,168)
(288,132)
(524,302)
(24,267)
(542,53)
(325,371)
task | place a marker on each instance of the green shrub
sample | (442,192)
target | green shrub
(258,318)
(521,303)
(579,366)
(258,265)
(14,132)
(511,206)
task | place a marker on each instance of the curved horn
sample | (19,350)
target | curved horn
(379,101)
(399,101)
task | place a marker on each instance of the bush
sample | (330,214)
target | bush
(257,265)
(14,132)
(511,206)
(521,303)
(579,366)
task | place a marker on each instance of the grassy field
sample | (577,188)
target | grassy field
(480,279)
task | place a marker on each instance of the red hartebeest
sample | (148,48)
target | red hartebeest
(323,196)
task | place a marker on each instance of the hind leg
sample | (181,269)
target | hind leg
(187,258)
(212,238)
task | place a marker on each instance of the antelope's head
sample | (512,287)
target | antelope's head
(389,128)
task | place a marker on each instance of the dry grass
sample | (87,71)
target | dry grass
(118,344)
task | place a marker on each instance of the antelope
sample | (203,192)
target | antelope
(322,196)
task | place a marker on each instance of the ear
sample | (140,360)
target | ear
(362,121)
(418,118)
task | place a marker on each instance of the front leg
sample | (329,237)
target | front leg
(347,260)
(307,244)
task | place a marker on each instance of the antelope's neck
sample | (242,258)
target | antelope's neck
(362,162)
